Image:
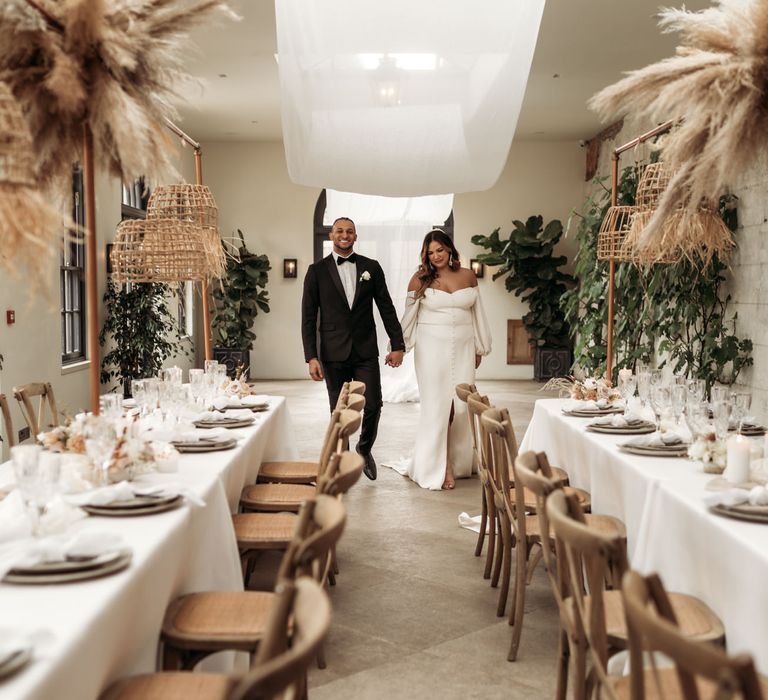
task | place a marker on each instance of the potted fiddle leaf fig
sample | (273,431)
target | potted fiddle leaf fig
(533,273)
(237,301)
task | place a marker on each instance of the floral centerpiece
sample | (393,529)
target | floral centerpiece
(589,389)
(710,451)
(238,386)
(66,438)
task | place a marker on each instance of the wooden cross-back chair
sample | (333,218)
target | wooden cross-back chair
(5,415)
(534,474)
(701,671)
(258,532)
(199,624)
(297,626)
(288,497)
(36,418)
(476,406)
(593,564)
(350,397)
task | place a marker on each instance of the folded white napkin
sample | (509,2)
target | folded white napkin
(239,413)
(198,434)
(656,440)
(469,522)
(125,491)
(16,522)
(58,548)
(757,496)
(221,402)
(255,400)
(618,420)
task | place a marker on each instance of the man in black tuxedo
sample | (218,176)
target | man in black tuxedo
(342,288)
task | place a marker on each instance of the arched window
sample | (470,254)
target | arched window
(321,243)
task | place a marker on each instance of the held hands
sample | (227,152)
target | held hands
(478,359)
(315,370)
(394,358)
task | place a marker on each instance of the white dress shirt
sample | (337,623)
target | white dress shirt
(348,274)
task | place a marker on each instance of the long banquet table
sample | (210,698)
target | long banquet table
(94,632)
(670,531)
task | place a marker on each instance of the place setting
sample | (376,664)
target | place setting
(621,424)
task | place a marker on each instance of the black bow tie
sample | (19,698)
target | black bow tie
(352,258)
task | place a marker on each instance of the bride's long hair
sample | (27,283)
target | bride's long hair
(427,272)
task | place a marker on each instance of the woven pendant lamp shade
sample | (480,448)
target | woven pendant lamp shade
(158,250)
(613,232)
(192,204)
(16,157)
(653,182)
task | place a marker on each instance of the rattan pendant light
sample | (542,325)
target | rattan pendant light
(613,232)
(158,250)
(29,226)
(192,204)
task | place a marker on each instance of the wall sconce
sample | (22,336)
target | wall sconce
(477,267)
(290,268)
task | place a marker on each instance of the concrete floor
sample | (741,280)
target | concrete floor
(413,617)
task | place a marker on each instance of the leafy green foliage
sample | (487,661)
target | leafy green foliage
(533,274)
(142,329)
(678,308)
(240,297)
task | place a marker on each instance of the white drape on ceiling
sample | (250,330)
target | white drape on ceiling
(402,98)
(391,230)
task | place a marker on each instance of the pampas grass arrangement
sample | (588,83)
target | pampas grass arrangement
(30,229)
(112,64)
(717,85)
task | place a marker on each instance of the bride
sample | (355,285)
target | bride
(444,321)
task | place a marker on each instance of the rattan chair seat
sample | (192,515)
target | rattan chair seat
(218,619)
(559,475)
(172,685)
(276,497)
(670,686)
(264,530)
(604,524)
(695,619)
(585,500)
(288,472)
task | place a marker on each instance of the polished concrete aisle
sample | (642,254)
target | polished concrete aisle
(413,617)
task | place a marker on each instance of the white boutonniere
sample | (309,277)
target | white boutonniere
(365,276)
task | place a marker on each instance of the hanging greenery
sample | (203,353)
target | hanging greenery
(679,308)
(142,330)
(533,274)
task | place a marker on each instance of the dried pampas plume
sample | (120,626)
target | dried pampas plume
(717,84)
(112,64)
(31,231)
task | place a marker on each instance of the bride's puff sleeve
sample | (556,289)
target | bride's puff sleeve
(481,327)
(410,320)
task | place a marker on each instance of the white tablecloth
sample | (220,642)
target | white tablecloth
(669,529)
(108,628)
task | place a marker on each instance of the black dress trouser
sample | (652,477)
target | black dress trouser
(361,370)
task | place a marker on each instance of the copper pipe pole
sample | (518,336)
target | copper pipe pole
(611,273)
(204,284)
(91,277)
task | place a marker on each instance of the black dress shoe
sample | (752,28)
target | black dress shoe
(369,468)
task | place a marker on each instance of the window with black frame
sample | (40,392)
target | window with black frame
(72,276)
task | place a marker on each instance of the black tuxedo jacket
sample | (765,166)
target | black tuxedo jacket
(342,328)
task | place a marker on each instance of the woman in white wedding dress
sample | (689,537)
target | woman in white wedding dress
(444,321)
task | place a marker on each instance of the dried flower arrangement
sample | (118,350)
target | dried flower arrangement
(589,389)
(716,85)
(712,452)
(112,65)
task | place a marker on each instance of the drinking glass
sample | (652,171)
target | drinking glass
(627,390)
(26,459)
(679,394)
(719,394)
(137,391)
(100,439)
(209,366)
(660,402)
(721,412)
(197,383)
(111,406)
(657,378)
(644,386)
(697,417)
(48,476)
(37,474)
(742,401)
(696,388)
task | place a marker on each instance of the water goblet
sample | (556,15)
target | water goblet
(627,387)
(111,406)
(137,391)
(720,394)
(26,459)
(644,386)
(660,402)
(742,401)
(697,388)
(209,366)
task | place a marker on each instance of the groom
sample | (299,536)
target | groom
(342,288)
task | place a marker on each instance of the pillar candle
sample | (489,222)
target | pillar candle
(737,465)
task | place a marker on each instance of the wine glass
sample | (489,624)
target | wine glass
(197,384)
(37,474)
(742,401)
(660,402)
(209,366)
(111,406)
(697,417)
(627,386)
(719,394)
(138,392)
(100,440)
(697,388)
(679,394)
(644,386)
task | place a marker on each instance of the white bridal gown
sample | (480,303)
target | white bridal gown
(447,329)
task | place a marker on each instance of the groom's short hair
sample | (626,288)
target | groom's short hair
(342,218)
